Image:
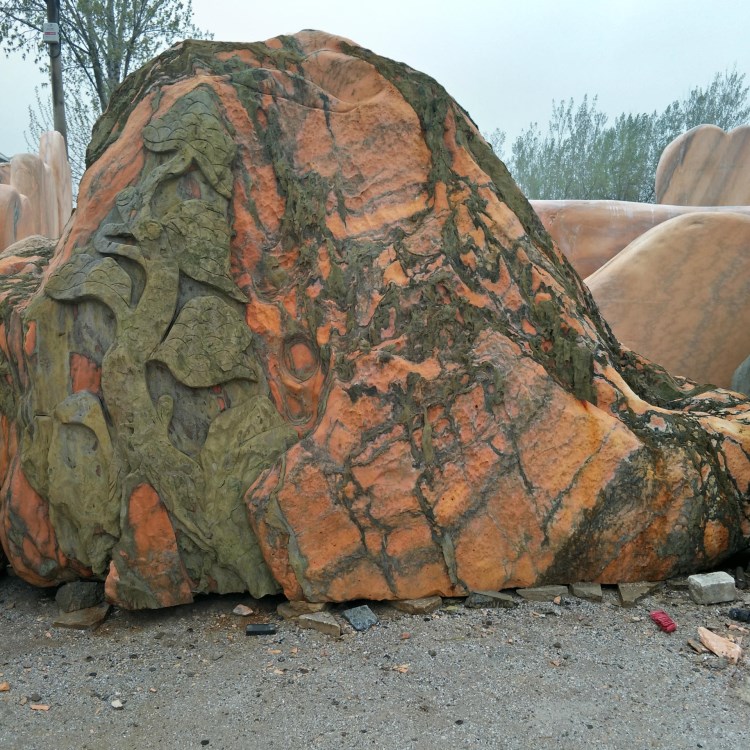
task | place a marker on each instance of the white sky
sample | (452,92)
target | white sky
(503,60)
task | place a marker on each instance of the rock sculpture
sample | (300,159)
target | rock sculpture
(305,333)
(680,295)
(706,167)
(36,192)
(590,233)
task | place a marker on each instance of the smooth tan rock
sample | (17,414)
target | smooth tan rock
(83,619)
(542,593)
(706,167)
(630,594)
(323,622)
(53,154)
(35,192)
(304,334)
(679,295)
(590,233)
(590,591)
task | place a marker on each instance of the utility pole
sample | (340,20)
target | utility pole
(52,37)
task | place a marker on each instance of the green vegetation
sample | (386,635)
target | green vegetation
(583,156)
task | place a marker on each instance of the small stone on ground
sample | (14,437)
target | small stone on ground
(83,619)
(79,595)
(480,599)
(360,618)
(286,611)
(590,591)
(631,593)
(323,622)
(542,593)
(712,588)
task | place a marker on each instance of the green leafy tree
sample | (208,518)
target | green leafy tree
(582,156)
(102,41)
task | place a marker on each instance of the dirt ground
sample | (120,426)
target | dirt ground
(573,675)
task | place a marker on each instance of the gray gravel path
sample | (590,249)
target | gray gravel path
(542,675)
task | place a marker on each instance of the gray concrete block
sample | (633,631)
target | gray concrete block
(712,588)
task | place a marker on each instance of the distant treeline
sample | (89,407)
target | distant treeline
(582,156)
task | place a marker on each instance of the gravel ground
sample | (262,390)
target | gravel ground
(541,675)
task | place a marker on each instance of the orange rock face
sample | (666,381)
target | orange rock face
(678,294)
(590,233)
(304,333)
(706,167)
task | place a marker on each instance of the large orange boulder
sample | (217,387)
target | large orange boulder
(305,333)
(590,233)
(706,167)
(679,295)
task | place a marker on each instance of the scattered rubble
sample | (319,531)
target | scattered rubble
(590,591)
(542,593)
(480,599)
(631,593)
(720,646)
(323,622)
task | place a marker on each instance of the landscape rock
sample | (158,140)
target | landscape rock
(712,588)
(360,618)
(630,594)
(590,591)
(285,610)
(543,593)
(305,335)
(678,295)
(591,233)
(83,619)
(706,167)
(423,606)
(323,622)
(79,595)
(480,599)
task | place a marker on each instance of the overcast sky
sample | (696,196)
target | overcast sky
(503,60)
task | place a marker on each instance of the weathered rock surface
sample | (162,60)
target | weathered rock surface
(680,295)
(590,233)
(36,192)
(706,167)
(305,333)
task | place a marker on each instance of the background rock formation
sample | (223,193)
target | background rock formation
(590,233)
(305,332)
(680,294)
(35,192)
(706,167)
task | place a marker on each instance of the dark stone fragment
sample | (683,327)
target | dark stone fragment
(77,595)
(263,628)
(360,618)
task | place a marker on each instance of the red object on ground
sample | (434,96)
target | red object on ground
(664,621)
